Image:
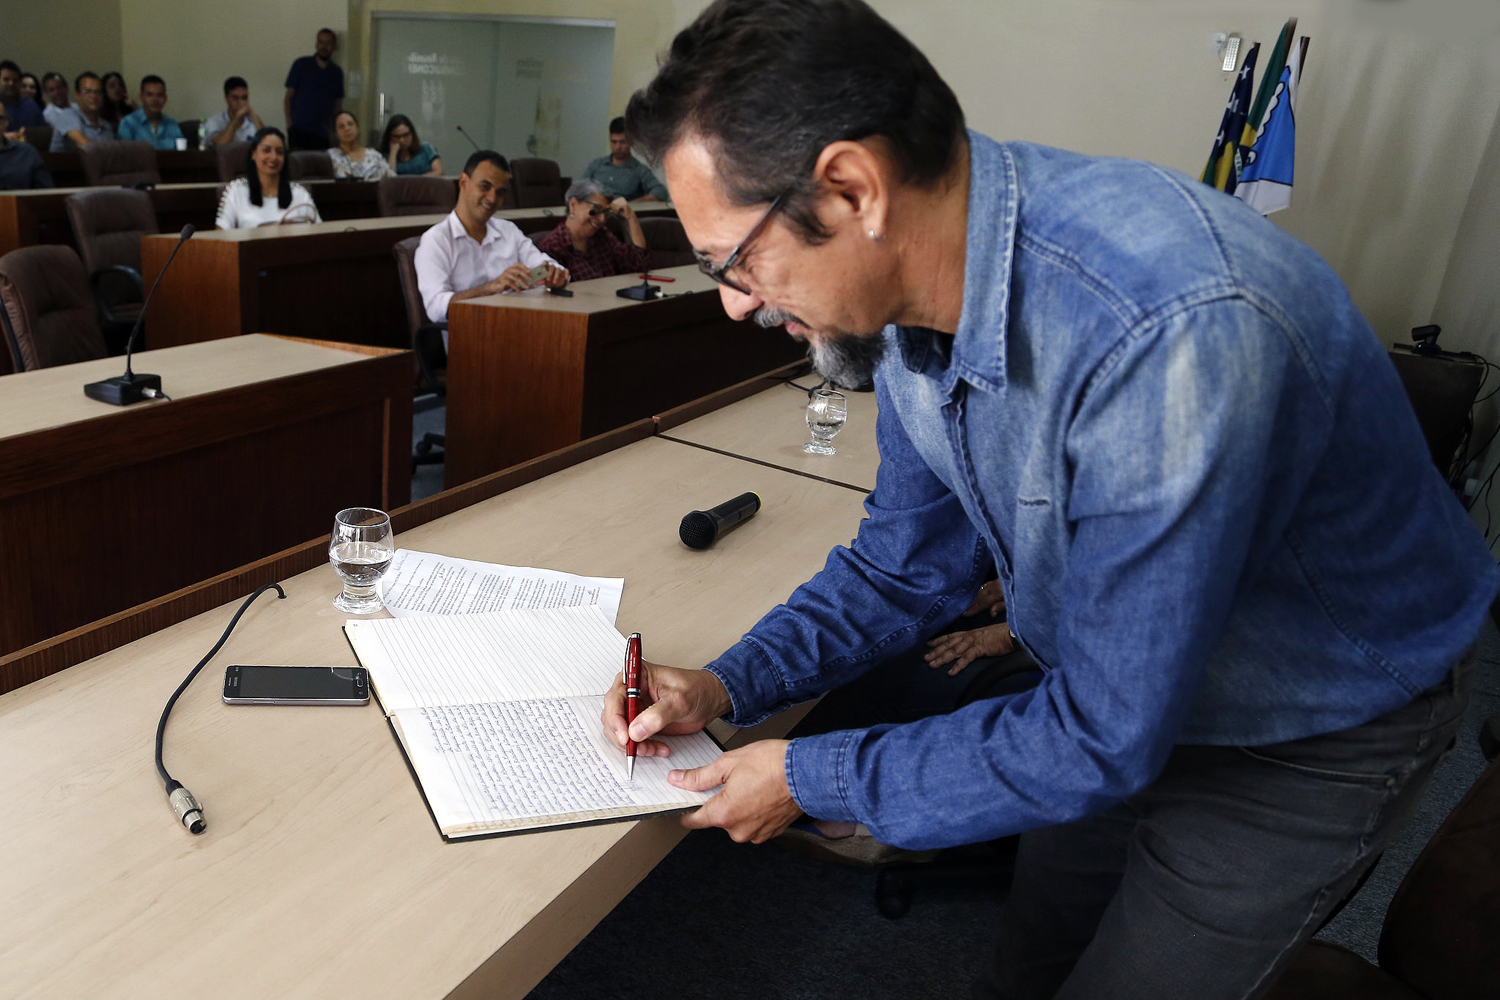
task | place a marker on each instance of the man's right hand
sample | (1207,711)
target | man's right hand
(516,278)
(673,701)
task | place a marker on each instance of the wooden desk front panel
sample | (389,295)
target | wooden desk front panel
(33,218)
(103,514)
(328,284)
(526,381)
(318,849)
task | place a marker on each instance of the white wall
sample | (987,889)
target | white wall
(195,44)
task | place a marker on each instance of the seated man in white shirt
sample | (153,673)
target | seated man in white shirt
(471,253)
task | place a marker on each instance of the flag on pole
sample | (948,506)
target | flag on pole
(1269,81)
(1266,178)
(1219,170)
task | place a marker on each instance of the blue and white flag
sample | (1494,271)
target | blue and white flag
(1266,177)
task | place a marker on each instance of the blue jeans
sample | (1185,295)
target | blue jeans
(1206,884)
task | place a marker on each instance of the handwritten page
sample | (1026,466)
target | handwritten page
(519,655)
(423,583)
(529,764)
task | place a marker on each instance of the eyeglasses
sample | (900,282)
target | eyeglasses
(720,272)
(598,210)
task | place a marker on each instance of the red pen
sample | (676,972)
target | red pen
(656,277)
(632,697)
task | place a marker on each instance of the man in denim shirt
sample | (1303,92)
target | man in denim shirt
(1212,512)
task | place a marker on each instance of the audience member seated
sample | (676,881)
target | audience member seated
(116,100)
(471,253)
(583,243)
(406,153)
(238,122)
(148,124)
(350,158)
(81,124)
(24,111)
(622,175)
(21,165)
(265,196)
(31,87)
(55,90)
(314,94)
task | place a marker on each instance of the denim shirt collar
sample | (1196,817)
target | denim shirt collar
(978,347)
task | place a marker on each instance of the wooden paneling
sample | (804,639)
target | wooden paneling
(531,372)
(61,651)
(103,512)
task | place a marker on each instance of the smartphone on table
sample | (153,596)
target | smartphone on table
(266,685)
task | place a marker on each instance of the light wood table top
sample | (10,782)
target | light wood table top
(771,427)
(597,295)
(321,874)
(52,397)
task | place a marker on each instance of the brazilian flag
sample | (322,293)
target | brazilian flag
(1220,170)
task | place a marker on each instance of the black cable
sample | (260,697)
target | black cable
(189,811)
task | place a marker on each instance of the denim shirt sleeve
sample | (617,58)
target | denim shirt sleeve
(1170,455)
(912,568)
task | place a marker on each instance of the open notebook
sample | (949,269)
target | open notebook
(498,714)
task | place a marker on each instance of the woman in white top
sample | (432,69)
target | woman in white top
(249,201)
(350,159)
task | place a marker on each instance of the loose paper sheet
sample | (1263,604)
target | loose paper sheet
(424,583)
(520,655)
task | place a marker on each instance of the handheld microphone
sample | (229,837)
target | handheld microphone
(469,137)
(701,528)
(130,387)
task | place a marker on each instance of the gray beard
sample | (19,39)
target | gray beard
(846,359)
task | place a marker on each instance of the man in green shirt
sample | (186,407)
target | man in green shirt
(622,175)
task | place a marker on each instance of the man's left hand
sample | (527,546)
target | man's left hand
(755,803)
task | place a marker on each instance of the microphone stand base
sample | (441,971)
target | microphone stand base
(122,390)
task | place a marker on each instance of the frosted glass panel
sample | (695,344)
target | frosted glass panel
(525,88)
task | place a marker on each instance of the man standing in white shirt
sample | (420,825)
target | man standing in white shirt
(471,253)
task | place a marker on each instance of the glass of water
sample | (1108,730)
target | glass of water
(360,550)
(826,411)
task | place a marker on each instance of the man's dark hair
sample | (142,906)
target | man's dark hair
(234,83)
(78,80)
(152,78)
(390,126)
(770,83)
(617,125)
(252,175)
(485,156)
(9,64)
(328,31)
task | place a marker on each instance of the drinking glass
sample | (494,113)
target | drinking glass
(360,550)
(826,411)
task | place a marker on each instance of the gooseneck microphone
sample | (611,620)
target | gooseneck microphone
(469,137)
(701,528)
(130,387)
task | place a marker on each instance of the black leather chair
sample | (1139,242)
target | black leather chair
(426,342)
(309,164)
(668,243)
(417,195)
(107,226)
(39,136)
(119,163)
(536,183)
(232,159)
(48,314)
(189,127)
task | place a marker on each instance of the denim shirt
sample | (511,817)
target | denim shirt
(1212,512)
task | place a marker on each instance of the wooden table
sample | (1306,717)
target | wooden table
(103,507)
(320,874)
(330,280)
(32,218)
(531,372)
(771,427)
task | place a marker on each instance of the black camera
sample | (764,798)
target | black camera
(1425,339)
